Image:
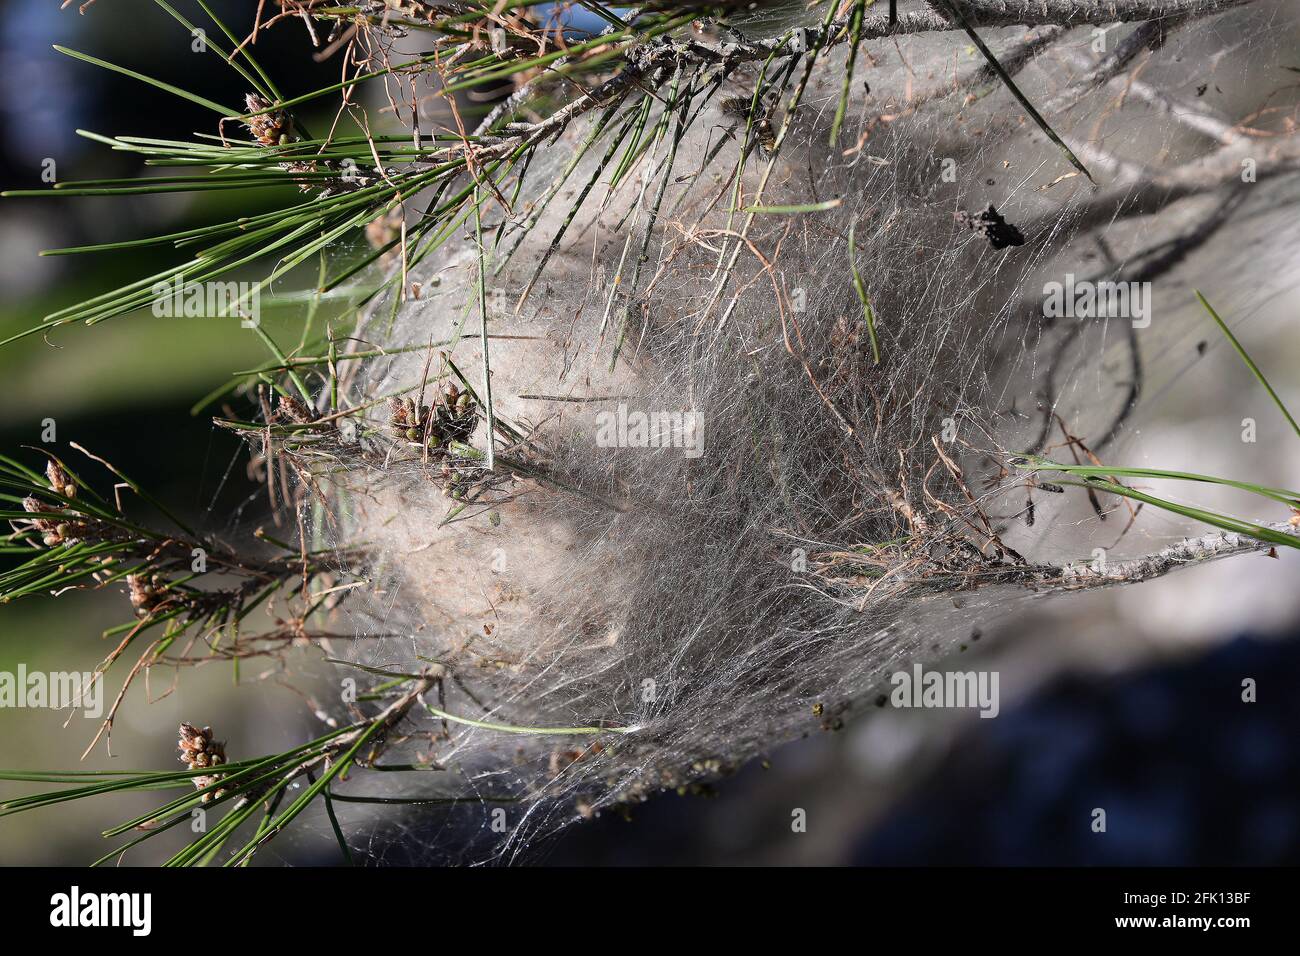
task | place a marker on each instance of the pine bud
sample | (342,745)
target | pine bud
(295,410)
(146,592)
(269,129)
(199,752)
(59,480)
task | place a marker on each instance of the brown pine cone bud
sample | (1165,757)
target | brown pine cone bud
(457,415)
(35,506)
(199,752)
(55,528)
(59,480)
(146,592)
(295,410)
(269,129)
(406,420)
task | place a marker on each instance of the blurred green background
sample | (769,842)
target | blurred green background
(124,389)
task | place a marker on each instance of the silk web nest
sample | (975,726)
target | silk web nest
(748,461)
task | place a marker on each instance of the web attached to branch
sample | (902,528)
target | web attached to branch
(754,439)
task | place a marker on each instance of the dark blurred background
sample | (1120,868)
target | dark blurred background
(1108,701)
(1187,773)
